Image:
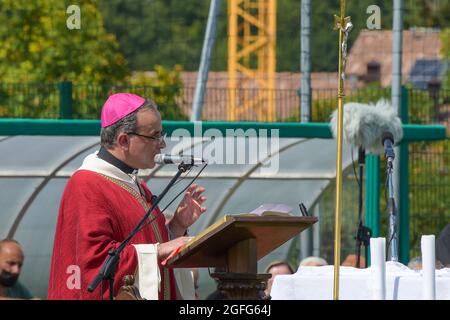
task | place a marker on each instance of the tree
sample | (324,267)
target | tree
(170,32)
(427,13)
(164,87)
(158,32)
(38,46)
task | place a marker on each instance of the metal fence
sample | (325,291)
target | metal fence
(429,168)
(84,101)
(429,182)
(65,100)
(29,100)
(37,100)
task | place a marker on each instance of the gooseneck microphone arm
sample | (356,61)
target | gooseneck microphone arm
(388,142)
(108,269)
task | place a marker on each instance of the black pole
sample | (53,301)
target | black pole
(363,233)
(108,269)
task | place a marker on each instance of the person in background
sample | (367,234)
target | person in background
(11,261)
(276,268)
(350,261)
(313,262)
(416,263)
(443,246)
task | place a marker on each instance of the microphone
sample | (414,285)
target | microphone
(173,159)
(364,124)
(387,140)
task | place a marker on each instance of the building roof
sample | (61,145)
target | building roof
(376,45)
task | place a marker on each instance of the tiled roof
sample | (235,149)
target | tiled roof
(376,45)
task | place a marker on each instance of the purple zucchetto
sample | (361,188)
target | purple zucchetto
(118,106)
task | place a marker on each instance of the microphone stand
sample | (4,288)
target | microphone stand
(108,269)
(392,244)
(363,233)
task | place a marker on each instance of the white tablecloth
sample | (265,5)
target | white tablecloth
(316,283)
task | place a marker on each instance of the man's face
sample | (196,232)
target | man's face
(274,271)
(142,150)
(11,260)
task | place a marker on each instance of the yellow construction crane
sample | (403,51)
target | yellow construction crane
(251,59)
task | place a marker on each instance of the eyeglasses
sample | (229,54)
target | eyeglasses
(160,138)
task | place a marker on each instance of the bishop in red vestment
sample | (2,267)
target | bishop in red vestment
(104,200)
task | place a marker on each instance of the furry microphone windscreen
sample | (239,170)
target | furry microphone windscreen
(364,124)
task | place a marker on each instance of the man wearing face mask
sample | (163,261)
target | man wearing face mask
(11,260)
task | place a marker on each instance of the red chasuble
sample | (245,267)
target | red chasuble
(97,213)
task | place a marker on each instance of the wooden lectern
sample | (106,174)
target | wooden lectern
(236,243)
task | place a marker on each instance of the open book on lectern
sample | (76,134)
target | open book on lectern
(209,248)
(271,209)
(264,210)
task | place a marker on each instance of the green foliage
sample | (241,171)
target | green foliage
(429,164)
(37,45)
(34,100)
(445,51)
(37,100)
(427,13)
(325,101)
(38,50)
(349,218)
(288,35)
(164,88)
(422,108)
(170,32)
(158,32)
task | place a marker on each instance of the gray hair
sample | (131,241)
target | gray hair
(416,263)
(316,261)
(109,134)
